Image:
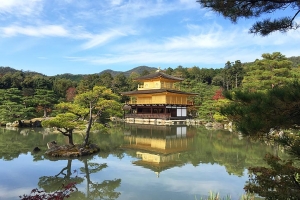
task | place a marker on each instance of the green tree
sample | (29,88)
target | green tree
(11,105)
(271,71)
(237,74)
(61,85)
(6,81)
(235,10)
(42,82)
(105,80)
(233,74)
(97,101)
(88,82)
(64,123)
(17,79)
(76,109)
(16,105)
(28,82)
(132,84)
(226,75)
(257,112)
(169,71)
(145,72)
(45,99)
(194,73)
(217,80)
(120,84)
(180,72)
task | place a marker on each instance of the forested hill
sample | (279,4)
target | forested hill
(295,60)
(139,70)
(4,70)
(78,77)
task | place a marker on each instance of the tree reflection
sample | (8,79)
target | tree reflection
(64,177)
(94,190)
(279,181)
(21,141)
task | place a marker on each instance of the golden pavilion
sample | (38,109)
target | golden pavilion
(158,97)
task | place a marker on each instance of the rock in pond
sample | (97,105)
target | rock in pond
(72,150)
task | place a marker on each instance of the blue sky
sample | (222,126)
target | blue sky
(89,36)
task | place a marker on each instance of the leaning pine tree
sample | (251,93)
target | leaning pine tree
(83,113)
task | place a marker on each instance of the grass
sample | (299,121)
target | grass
(216,196)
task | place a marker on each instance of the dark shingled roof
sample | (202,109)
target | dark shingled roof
(155,91)
(158,74)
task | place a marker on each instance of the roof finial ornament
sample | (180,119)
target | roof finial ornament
(158,69)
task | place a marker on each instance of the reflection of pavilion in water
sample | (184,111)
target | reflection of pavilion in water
(159,147)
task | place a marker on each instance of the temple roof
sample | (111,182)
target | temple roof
(158,167)
(153,91)
(158,74)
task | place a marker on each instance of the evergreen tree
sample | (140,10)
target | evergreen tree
(97,101)
(235,10)
(11,105)
(45,100)
(64,123)
(272,71)
(257,112)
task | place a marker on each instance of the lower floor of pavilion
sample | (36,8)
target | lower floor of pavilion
(156,111)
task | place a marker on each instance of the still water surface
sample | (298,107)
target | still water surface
(153,162)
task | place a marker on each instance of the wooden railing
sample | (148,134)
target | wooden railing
(150,116)
(170,87)
(190,103)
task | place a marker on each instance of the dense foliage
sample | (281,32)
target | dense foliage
(268,98)
(258,112)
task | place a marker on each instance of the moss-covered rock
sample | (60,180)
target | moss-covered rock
(72,151)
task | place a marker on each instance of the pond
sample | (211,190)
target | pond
(152,162)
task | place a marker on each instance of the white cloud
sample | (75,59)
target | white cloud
(209,15)
(212,40)
(198,38)
(136,10)
(8,193)
(20,7)
(190,3)
(40,31)
(116,2)
(105,37)
(206,46)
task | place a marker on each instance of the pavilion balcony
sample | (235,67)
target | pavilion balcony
(160,86)
(134,101)
(150,116)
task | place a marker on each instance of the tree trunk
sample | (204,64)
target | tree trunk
(45,111)
(70,136)
(87,134)
(88,179)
